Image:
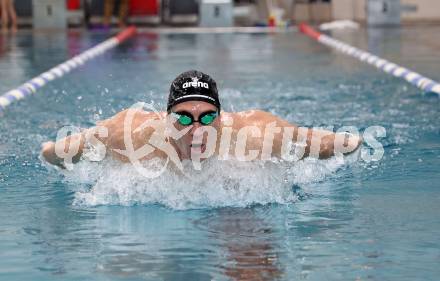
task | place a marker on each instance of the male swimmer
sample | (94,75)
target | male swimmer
(194,127)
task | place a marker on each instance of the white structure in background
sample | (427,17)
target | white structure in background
(410,11)
(49,14)
(339,24)
(216,13)
(383,12)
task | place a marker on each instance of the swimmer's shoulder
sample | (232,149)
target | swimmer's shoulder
(255,117)
(246,114)
(134,118)
(131,116)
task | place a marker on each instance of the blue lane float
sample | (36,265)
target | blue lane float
(31,86)
(416,79)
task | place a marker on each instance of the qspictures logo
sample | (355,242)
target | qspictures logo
(148,135)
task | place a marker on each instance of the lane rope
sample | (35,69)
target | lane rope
(220,30)
(30,87)
(418,80)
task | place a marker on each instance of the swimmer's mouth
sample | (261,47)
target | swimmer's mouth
(198,147)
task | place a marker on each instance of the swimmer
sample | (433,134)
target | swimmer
(194,127)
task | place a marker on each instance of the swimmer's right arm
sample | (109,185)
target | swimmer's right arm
(71,146)
(70,149)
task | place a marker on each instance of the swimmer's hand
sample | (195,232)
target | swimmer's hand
(60,153)
(332,144)
(342,143)
(48,153)
(353,142)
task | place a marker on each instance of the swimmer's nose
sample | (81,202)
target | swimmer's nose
(194,128)
(196,133)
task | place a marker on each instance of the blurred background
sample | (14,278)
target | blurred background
(42,14)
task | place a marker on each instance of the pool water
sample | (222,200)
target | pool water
(313,220)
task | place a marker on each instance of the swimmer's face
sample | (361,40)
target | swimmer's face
(194,141)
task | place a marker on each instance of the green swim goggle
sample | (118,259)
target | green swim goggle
(185,118)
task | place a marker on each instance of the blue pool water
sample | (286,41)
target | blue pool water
(311,221)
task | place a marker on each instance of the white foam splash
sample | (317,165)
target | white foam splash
(220,183)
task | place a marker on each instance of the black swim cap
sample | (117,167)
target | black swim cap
(193,85)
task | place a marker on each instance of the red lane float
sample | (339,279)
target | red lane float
(412,77)
(306,29)
(125,34)
(31,86)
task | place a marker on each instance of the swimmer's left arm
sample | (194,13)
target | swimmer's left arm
(316,143)
(319,143)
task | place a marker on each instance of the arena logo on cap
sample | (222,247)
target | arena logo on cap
(195,83)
